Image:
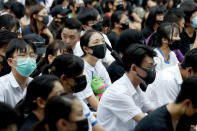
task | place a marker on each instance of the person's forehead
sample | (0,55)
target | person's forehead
(148,60)
(96,36)
(28,49)
(43,11)
(67,31)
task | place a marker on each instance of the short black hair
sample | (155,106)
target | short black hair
(18,44)
(190,60)
(18,9)
(6,37)
(8,116)
(188,7)
(116,17)
(128,37)
(165,30)
(154,11)
(31,2)
(68,65)
(188,91)
(135,54)
(86,14)
(73,23)
(174,15)
(5,21)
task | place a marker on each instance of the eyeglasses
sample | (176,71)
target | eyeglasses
(32,56)
(150,68)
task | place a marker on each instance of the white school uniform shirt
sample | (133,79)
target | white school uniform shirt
(160,61)
(10,91)
(166,86)
(100,71)
(120,103)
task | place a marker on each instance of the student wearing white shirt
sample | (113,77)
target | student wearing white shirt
(124,103)
(166,86)
(91,19)
(69,68)
(21,58)
(165,40)
(94,48)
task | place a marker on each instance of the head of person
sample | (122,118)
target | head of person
(167,35)
(8,22)
(155,17)
(59,14)
(189,64)
(21,56)
(107,5)
(9,118)
(119,20)
(18,10)
(71,31)
(187,96)
(139,64)
(65,113)
(175,16)
(128,37)
(190,10)
(63,3)
(38,16)
(29,4)
(6,37)
(39,91)
(88,17)
(93,44)
(106,25)
(55,49)
(69,68)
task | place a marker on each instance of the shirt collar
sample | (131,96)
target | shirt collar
(132,90)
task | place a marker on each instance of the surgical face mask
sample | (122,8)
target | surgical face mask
(194,21)
(25,66)
(150,77)
(82,125)
(125,26)
(45,19)
(80,84)
(98,26)
(98,51)
(176,44)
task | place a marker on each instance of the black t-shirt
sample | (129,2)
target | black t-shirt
(186,41)
(160,120)
(147,31)
(113,38)
(29,122)
(115,71)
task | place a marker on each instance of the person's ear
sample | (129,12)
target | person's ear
(164,40)
(3,28)
(133,67)
(116,25)
(41,102)
(50,58)
(85,27)
(87,50)
(35,16)
(62,124)
(190,71)
(10,62)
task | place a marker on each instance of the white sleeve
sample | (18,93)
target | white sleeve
(1,92)
(147,105)
(158,63)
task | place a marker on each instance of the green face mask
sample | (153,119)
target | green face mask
(25,66)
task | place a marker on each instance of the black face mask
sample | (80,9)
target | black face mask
(82,125)
(120,7)
(159,22)
(80,84)
(98,26)
(98,51)
(125,26)
(151,74)
(176,44)
(45,19)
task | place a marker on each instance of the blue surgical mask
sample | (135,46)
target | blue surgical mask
(194,21)
(25,66)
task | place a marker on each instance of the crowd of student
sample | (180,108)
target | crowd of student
(98,65)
